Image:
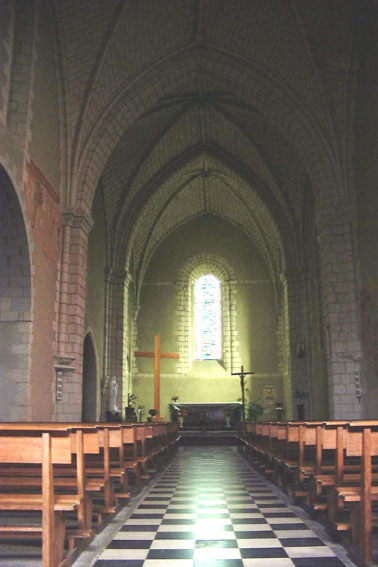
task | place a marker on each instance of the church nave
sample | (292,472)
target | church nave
(211,509)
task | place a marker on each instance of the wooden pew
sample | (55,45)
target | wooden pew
(362,442)
(340,469)
(84,443)
(130,444)
(102,454)
(151,447)
(142,456)
(100,473)
(111,471)
(331,439)
(45,449)
(306,444)
(335,456)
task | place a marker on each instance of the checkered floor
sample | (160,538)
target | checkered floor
(210,509)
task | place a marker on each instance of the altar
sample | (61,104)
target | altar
(209,415)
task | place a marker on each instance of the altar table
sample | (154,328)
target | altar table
(211,415)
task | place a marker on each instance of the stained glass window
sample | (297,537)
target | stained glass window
(207,300)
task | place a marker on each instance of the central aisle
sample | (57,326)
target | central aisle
(210,509)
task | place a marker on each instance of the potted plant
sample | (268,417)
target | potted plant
(255,410)
(129,409)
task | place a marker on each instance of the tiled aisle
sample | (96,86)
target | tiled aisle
(209,509)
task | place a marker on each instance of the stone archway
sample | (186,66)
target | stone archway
(15,305)
(89,401)
(195,268)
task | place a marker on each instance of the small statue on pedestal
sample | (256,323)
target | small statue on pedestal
(113,413)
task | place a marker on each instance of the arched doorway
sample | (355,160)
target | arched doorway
(15,305)
(89,410)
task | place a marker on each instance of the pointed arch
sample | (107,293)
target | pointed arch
(199,266)
(90,380)
(15,304)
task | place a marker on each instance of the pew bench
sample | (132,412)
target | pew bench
(46,449)
(66,477)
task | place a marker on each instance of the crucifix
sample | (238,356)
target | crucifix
(242,374)
(156,355)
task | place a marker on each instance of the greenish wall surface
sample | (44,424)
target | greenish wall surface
(95,299)
(255,321)
(45,138)
(257,326)
(206,234)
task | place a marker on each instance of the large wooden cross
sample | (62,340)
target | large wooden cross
(156,355)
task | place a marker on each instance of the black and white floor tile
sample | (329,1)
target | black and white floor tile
(210,509)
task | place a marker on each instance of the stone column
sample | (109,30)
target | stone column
(297,343)
(71,301)
(341,315)
(116,286)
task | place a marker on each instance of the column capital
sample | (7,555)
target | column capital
(117,276)
(77,219)
(64,362)
(328,221)
(296,274)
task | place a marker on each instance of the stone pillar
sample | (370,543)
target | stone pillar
(286,359)
(71,300)
(116,286)
(341,316)
(297,344)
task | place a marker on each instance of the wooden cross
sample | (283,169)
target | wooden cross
(156,355)
(242,375)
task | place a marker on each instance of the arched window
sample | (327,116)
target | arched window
(208,318)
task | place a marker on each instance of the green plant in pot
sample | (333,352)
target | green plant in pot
(129,409)
(255,410)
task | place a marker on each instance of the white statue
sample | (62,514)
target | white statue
(113,391)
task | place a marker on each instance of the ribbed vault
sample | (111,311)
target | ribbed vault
(287,66)
(202,153)
(205,107)
(203,186)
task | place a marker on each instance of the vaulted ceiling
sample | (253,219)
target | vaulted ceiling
(186,107)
